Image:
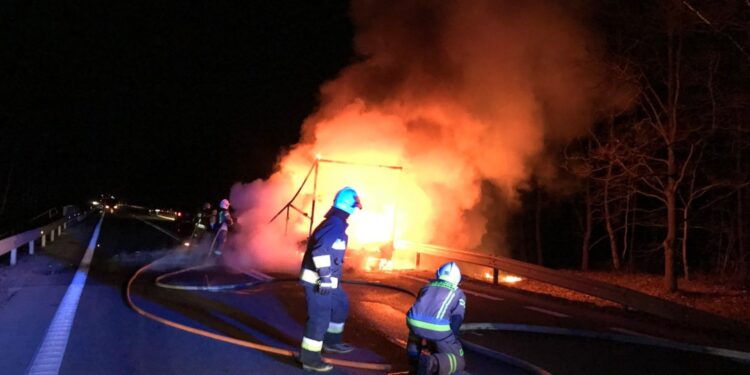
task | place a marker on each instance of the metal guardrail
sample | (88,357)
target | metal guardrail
(624,296)
(28,238)
(49,213)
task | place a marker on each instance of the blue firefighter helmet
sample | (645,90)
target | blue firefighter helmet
(347,200)
(450,273)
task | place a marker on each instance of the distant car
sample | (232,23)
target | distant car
(183,224)
(108,203)
(71,211)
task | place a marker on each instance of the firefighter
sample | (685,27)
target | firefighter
(224,222)
(201,223)
(327,303)
(435,318)
(211,215)
(205,216)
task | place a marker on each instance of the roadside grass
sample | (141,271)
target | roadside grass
(712,294)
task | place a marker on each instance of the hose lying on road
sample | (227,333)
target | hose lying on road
(629,339)
(244,343)
(204,288)
(505,358)
(228,287)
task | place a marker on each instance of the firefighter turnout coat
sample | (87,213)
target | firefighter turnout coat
(438,311)
(326,249)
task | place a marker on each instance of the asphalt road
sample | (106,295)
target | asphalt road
(108,337)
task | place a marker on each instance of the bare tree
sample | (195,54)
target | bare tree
(659,164)
(586,243)
(538,226)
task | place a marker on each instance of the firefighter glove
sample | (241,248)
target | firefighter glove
(324,285)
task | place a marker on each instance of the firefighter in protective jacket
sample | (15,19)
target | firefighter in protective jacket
(434,319)
(224,223)
(327,303)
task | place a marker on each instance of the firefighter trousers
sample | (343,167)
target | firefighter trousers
(217,246)
(326,314)
(447,353)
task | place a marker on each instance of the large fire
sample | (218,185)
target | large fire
(469,94)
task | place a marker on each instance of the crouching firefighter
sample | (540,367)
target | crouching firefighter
(327,303)
(434,319)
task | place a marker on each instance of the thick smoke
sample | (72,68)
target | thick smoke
(458,93)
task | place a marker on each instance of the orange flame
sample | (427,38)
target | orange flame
(457,104)
(510,279)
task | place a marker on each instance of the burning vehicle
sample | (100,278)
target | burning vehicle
(423,122)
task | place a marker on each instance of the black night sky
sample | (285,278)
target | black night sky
(159,103)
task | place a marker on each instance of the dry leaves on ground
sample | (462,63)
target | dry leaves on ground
(705,293)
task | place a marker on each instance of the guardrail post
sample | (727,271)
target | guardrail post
(52,236)
(31,247)
(44,239)
(13,257)
(495,275)
(59,230)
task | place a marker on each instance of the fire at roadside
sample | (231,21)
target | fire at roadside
(418,125)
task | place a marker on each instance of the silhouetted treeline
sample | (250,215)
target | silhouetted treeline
(663,185)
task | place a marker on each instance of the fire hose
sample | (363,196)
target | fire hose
(244,343)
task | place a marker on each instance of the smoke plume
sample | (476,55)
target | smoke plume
(458,93)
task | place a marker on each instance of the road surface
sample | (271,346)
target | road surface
(108,337)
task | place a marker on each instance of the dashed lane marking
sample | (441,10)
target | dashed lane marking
(50,355)
(481,295)
(160,229)
(630,339)
(629,332)
(415,278)
(548,312)
(258,275)
(398,342)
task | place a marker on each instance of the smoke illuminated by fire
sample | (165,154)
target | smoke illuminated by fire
(456,93)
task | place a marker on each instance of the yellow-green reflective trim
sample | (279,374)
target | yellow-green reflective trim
(312,345)
(452,359)
(443,284)
(335,327)
(430,326)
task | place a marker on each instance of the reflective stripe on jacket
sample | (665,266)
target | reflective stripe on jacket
(438,310)
(225,220)
(325,249)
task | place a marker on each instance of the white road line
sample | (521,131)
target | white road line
(630,339)
(398,342)
(629,332)
(482,295)
(548,312)
(160,229)
(258,275)
(415,278)
(50,355)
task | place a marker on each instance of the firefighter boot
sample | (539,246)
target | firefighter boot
(332,344)
(312,361)
(428,365)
